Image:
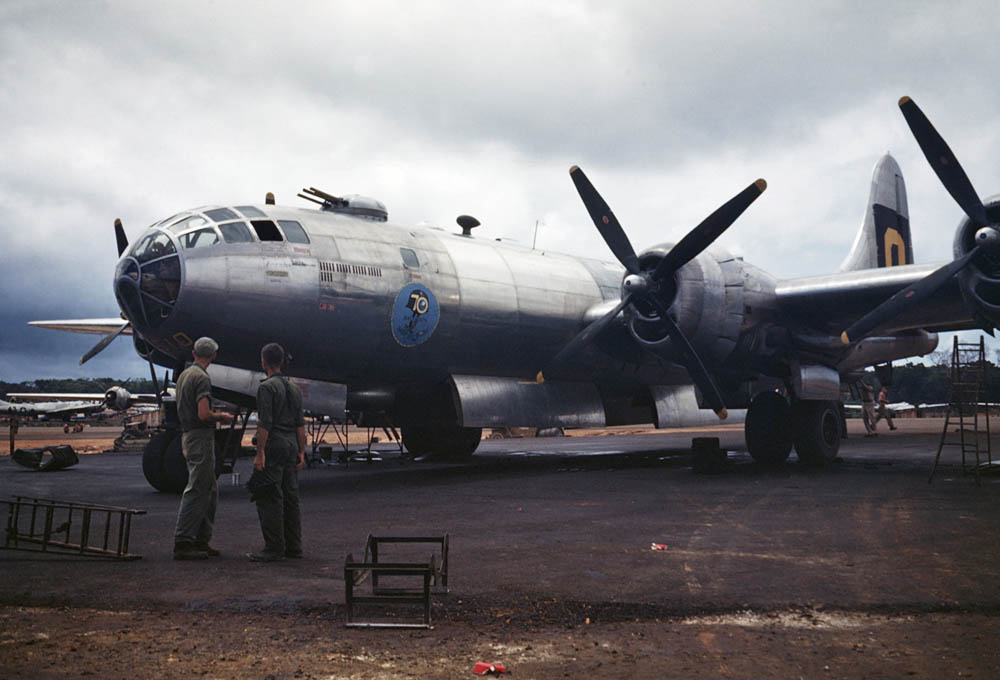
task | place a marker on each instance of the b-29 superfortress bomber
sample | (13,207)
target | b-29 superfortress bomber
(442,334)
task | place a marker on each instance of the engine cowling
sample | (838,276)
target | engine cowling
(980,281)
(117,398)
(705,299)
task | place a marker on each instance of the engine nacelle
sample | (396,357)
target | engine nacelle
(980,281)
(117,398)
(705,299)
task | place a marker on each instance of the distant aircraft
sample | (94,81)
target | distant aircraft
(57,408)
(444,334)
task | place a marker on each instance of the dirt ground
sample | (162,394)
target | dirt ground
(937,616)
(65,642)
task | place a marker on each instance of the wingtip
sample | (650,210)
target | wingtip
(844,339)
(904,100)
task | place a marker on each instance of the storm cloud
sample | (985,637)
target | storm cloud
(139,110)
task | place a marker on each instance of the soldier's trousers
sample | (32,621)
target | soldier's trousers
(279,512)
(196,516)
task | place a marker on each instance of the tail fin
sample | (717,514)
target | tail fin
(884,237)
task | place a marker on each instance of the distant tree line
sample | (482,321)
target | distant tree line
(83,385)
(920,384)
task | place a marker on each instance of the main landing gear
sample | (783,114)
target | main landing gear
(165,467)
(773,426)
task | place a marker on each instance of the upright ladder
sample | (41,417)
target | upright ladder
(968,385)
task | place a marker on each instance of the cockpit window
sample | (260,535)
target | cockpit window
(188,223)
(250,211)
(169,219)
(221,215)
(410,258)
(162,280)
(266,230)
(199,239)
(236,232)
(294,233)
(154,245)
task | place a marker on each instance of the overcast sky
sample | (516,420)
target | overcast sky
(138,110)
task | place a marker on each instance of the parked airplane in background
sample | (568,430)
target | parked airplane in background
(57,408)
(443,334)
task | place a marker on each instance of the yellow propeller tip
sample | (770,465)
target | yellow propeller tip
(761,184)
(574,169)
(723,414)
(844,339)
(539,378)
(904,99)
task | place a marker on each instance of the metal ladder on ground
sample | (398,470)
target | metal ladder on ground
(968,403)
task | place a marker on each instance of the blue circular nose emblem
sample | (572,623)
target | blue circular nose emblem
(414,315)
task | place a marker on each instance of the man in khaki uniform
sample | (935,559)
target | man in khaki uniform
(281,453)
(201,495)
(883,409)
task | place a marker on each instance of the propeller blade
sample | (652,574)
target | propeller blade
(692,362)
(104,342)
(581,339)
(120,237)
(943,162)
(605,221)
(711,228)
(904,299)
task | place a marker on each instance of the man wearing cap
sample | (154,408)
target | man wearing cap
(201,495)
(281,453)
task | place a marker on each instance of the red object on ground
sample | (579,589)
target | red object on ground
(659,546)
(483,668)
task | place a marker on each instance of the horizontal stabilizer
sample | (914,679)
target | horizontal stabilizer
(91,326)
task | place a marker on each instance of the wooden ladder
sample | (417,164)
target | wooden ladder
(968,402)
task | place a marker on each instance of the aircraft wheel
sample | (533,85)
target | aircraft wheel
(175,469)
(418,440)
(768,428)
(449,443)
(817,431)
(465,442)
(160,464)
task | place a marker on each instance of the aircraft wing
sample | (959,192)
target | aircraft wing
(92,326)
(55,396)
(51,408)
(835,301)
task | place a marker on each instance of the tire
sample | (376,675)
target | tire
(417,440)
(768,435)
(817,431)
(449,443)
(153,456)
(175,470)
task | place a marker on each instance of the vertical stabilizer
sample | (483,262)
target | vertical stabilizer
(884,237)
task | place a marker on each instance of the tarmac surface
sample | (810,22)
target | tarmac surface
(553,532)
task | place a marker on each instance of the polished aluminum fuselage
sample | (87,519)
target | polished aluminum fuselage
(504,310)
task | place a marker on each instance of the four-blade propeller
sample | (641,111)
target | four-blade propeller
(106,340)
(954,179)
(643,286)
